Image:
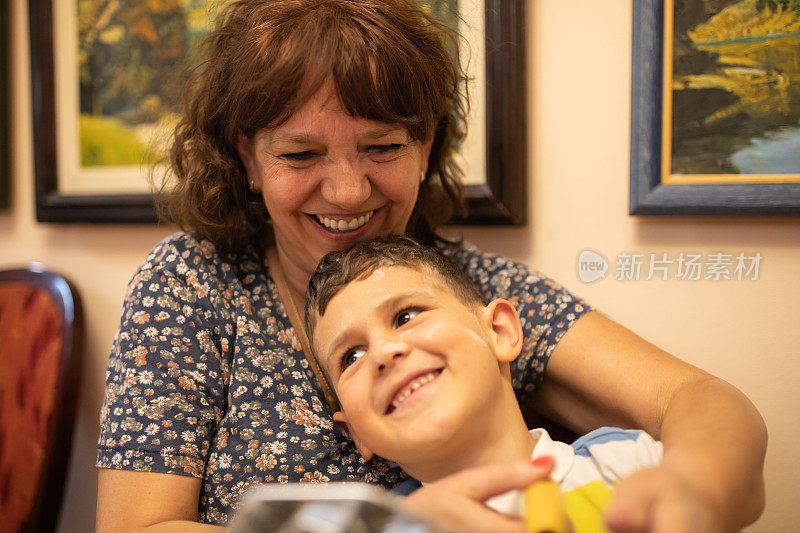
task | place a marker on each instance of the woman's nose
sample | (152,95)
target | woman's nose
(345,186)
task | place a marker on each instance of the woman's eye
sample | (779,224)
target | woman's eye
(384,148)
(351,356)
(405,315)
(299,156)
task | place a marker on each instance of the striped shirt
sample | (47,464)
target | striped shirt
(587,470)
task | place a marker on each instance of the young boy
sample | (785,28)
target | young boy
(420,365)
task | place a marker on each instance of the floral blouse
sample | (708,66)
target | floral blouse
(206,377)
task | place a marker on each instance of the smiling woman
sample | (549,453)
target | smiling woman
(329,179)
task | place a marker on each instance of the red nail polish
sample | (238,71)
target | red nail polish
(544,460)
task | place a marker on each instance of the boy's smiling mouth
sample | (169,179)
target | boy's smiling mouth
(409,387)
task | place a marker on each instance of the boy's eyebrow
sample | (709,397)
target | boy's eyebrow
(389,303)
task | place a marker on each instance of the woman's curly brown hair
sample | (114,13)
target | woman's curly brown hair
(388,61)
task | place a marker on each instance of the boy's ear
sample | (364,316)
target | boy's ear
(341,420)
(506,330)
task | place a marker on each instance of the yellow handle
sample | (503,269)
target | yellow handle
(544,509)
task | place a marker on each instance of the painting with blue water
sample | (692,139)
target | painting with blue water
(736,88)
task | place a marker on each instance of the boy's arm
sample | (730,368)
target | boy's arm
(714,439)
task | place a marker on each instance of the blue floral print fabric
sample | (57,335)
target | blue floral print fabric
(206,377)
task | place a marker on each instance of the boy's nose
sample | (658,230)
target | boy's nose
(388,353)
(345,186)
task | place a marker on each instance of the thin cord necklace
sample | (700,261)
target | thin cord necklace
(294,317)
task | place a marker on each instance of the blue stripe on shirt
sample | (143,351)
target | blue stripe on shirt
(601,436)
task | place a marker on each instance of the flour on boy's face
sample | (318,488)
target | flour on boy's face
(413,366)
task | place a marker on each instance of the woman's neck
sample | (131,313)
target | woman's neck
(296,278)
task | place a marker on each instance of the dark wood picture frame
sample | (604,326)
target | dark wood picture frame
(501,200)
(5,107)
(51,204)
(648,195)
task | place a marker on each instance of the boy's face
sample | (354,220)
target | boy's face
(413,366)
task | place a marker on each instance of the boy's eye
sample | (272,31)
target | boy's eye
(351,356)
(405,315)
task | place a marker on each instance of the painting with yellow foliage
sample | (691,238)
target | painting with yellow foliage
(731,110)
(133,62)
(134,59)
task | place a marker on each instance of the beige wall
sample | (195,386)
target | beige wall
(579,57)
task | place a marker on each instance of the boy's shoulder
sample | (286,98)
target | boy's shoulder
(609,437)
(606,454)
(618,453)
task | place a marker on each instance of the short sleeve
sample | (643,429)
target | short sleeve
(546,309)
(165,381)
(619,453)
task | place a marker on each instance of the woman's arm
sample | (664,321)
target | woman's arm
(145,501)
(149,502)
(714,439)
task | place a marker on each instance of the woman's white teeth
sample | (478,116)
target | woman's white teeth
(406,391)
(345,225)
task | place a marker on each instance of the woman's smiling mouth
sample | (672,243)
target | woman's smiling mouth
(344,225)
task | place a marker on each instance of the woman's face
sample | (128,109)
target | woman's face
(329,179)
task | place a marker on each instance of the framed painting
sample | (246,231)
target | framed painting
(5,116)
(114,66)
(715,108)
(114,63)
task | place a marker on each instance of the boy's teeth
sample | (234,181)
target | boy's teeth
(406,391)
(345,225)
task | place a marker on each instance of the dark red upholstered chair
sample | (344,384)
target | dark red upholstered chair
(40,340)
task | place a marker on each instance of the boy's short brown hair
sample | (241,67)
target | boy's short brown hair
(338,269)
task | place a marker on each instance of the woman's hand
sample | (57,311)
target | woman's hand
(660,500)
(456,502)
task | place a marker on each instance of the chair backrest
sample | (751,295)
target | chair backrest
(40,341)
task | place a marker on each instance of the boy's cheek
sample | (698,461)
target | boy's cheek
(354,405)
(349,392)
(442,337)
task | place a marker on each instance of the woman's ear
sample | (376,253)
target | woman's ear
(426,145)
(246,151)
(341,420)
(506,330)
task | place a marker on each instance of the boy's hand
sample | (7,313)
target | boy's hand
(456,502)
(660,500)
